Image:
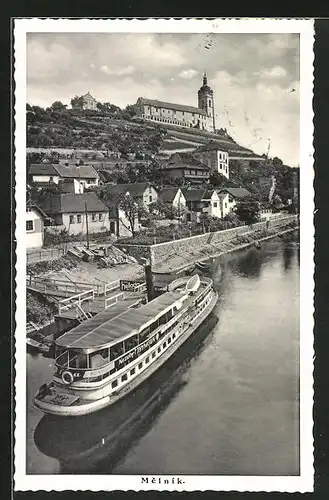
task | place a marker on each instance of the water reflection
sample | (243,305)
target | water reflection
(99,440)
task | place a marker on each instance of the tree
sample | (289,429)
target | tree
(58,106)
(132,210)
(247,209)
(77,102)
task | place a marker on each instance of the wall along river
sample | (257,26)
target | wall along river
(227,403)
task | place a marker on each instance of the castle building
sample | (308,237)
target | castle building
(86,101)
(201,117)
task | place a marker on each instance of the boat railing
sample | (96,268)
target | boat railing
(75,300)
(109,287)
(110,301)
(63,285)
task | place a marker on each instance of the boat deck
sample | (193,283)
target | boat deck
(119,321)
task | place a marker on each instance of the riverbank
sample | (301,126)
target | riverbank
(176,263)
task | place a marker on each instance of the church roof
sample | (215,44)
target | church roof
(170,105)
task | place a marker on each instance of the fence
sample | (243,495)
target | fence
(110,301)
(75,301)
(48,284)
(44,254)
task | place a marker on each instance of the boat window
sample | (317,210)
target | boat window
(132,371)
(116,350)
(140,366)
(144,334)
(159,349)
(99,358)
(174,335)
(62,357)
(153,354)
(114,383)
(77,359)
(164,344)
(169,340)
(131,342)
(124,377)
(147,359)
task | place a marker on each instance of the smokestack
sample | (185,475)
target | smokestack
(149,282)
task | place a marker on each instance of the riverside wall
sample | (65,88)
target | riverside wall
(162,251)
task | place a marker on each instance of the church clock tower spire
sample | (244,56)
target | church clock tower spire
(206,102)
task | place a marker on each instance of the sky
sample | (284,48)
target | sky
(255,77)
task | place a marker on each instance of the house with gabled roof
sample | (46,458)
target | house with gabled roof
(35,221)
(231,196)
(75,212)
(143,192)
(185,167)
(202,201)
(173,196)
(80,176)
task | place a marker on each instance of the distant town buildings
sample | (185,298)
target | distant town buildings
(201,117)
(142,192)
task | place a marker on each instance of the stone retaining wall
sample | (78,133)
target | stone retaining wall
(162,251)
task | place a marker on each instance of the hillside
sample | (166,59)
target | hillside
(118,132)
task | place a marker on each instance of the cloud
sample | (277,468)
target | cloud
(276,72)
(188,73)
(118,72)
(251,75)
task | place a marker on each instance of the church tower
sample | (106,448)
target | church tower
(206,102)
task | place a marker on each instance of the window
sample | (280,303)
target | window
(147,359)
(124,377)
(29,225)
(100,217)
(150,198)
(164,344)
(114,383)
(132,371)
(71,219)
(153,354)
(215,204)
(225,205)
(169,340)
(93,217)
(51,178)
(174,335)
(209,103)
(79,218)
(140,366)
(159,349)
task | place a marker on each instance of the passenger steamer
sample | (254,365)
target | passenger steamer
(109,355)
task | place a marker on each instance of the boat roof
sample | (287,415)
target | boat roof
(113,324)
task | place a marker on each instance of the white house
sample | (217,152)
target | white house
(214,157)
(80,175)
(143,192)
(231,196)
(77,211)
(202,201)
(35,218)
(173,196)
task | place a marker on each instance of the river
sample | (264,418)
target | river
(227,404)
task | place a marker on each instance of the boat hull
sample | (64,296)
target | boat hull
(92,406)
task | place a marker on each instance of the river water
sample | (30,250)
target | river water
(227,404)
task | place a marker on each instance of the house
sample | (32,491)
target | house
(231,196)
(143,192)
(184,166)
(202,201)
(87,102)
(120,219)
(215,157)
(173,196)
(201,117)
(35,219)
(80,175)
(77,211)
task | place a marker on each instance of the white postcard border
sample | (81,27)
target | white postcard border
(302,483)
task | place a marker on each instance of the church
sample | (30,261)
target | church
(201,117)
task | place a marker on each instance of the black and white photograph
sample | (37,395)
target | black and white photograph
(164,275)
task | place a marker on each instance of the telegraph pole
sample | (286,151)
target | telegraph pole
(87,228)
